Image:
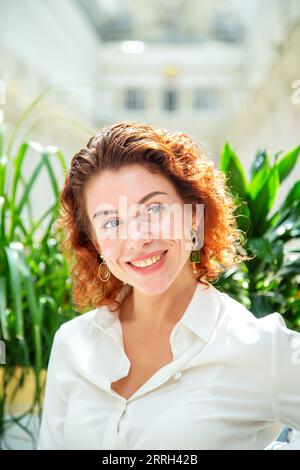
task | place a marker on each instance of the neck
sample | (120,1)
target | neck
(163,310)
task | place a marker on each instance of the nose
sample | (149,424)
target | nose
(139,237)
(139,229)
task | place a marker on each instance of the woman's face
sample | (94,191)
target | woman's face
(134,229)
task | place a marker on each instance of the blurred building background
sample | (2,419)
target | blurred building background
(218,70)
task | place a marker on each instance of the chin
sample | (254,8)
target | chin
(154,287)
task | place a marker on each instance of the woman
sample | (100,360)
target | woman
(160,359)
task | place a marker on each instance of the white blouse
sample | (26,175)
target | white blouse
(233,383)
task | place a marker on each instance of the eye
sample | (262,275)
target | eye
(153,207)
(104,226)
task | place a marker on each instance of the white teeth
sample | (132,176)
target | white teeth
(147,262)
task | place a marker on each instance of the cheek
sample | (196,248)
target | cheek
(185,241)
(110,250)
(171,227)
(175,228)
(167,228)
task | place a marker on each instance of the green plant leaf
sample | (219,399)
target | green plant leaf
(262,303)
(261,159)
(289,228)
(3,307)
(29,185)
(35,312)
(262,203)
(231,165)
(259,179)
(286,208)
(15,286)
(287,163)
(52,177)
(291,268)
(3,167)
(18,162)
(3,240)
(293,196)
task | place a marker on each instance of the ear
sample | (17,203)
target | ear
(198,215)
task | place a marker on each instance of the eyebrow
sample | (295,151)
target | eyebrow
(141,201)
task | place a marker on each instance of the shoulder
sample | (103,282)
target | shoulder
(264,347)
(81,321)
(78,343)
(86,324)
(80,330)
(240,323)
(236,313)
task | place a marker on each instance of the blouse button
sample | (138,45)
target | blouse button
(177,375)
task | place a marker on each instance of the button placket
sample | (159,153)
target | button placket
(122,407)
(119,422)
(112,428)
(177,375)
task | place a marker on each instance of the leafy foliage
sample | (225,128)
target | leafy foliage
(35,289)
(268,282)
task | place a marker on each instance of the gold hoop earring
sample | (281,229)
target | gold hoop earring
(195,254)
(107,274)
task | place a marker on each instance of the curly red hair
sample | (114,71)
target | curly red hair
(173,155)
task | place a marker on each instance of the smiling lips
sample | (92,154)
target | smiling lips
(150,266)
(146,256)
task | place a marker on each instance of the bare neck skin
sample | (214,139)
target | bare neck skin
(156,312)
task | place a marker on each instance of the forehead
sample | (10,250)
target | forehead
(132,181)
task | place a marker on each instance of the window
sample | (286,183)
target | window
(227,27)
(205,99)
(170,100)
(134,98)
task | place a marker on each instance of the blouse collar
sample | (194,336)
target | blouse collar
(200,316)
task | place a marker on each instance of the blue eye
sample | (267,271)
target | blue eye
(157,205)
(105,225)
